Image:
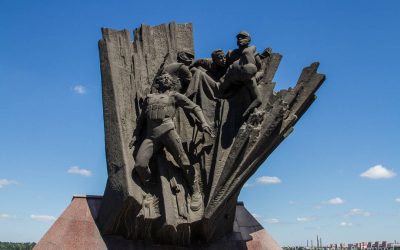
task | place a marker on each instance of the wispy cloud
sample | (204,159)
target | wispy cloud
(292,202)
(257,216)
(378,172)
(78,170)
(268,180)
(305,219)
(334,201)
(79,89)
(5,216)
(397,199)
(272,220)
(5,182)
(246,185)
(346,224)
(318,207)
(358,212)
(42,217)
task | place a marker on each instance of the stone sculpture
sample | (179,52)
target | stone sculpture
(215,68)
(242,70)
(178,185)
(179,70)
(158,111)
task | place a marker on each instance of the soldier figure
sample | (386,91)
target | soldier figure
(216,67)
(242,70)
(179,70)
(158,112)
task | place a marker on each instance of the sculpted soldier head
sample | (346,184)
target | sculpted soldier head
(218,57)
(243,39)
(164,82)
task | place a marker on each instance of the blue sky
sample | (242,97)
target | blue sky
(52,137)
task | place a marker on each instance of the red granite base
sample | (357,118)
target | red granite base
(76,229)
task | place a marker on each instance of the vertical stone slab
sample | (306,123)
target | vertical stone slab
(127,71)
(119,119)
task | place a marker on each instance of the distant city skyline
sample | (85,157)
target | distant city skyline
(336,175)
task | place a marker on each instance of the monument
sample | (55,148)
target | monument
(183,135)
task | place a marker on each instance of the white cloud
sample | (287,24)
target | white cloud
(78,170)
(5,216)
(304,219)
(358,211)
(257,216)
(334,201)
(267,180)
(41,217)
(346,224)
(292,202)
(397,199)
(272,221)
(5,182)
(246,185)
(378,172)
(79,89)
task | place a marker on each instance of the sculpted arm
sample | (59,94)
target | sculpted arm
(201,63)
(259,62)
(185,76)
(190,107)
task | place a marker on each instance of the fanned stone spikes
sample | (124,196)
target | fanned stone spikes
(161,212)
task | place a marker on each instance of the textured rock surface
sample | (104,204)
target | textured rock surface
(127,71)
(162,214)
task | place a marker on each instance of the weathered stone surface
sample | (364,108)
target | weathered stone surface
(162,212)
(127,74)
(76,229)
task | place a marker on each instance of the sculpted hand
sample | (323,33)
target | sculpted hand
(206,128)
(132,142)
(259,76)
(266,53)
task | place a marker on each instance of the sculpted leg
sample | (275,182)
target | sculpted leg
(173,144)
(226,81)
(255,96)
(143,157)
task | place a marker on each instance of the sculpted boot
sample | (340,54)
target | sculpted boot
(196,199)
(144,174)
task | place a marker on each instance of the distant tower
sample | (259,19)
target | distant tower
(307,243)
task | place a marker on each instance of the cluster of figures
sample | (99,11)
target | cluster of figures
(174,87)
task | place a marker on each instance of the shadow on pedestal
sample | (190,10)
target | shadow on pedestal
(76,229)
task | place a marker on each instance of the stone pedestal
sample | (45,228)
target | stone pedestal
(76,229)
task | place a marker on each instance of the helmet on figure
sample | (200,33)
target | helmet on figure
(243,38)
(184,57)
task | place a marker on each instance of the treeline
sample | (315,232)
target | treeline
(16,246)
